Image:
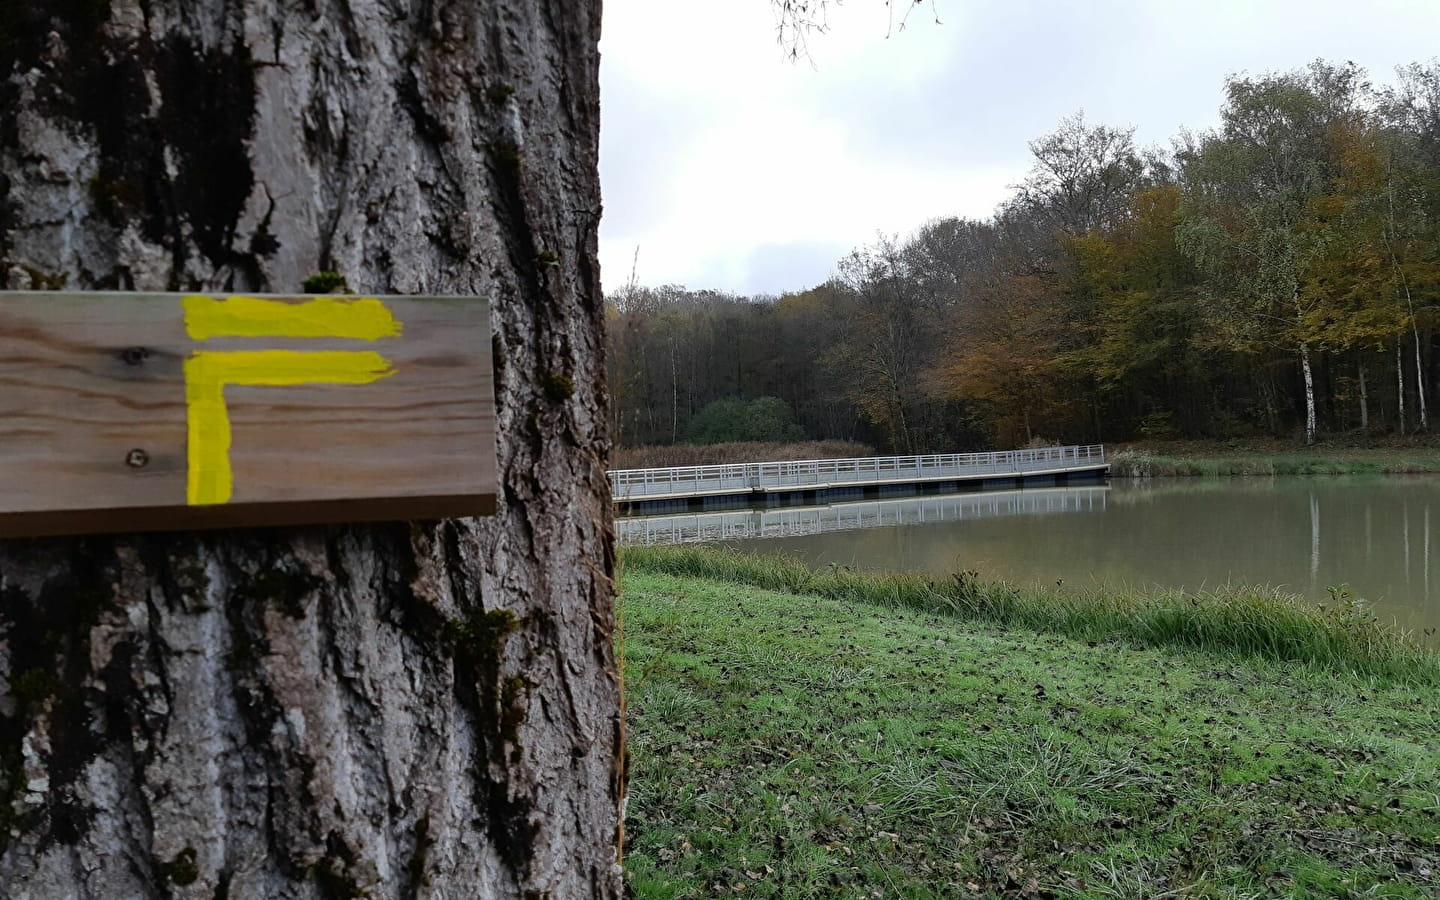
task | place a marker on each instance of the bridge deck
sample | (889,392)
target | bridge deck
(631,486)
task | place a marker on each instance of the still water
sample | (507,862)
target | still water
(1375,534)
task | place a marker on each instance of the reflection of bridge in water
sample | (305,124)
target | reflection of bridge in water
(789,521)
(822,479)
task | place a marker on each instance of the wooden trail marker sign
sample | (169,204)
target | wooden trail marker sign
(144,412)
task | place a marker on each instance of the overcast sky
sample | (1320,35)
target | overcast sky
(730,167)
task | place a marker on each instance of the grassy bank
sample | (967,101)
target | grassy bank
(789,745)
(1396,457)
(1254,622)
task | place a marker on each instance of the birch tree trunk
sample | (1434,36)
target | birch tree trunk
(1420,380)
(1409,308)
(406,710)
(1310,425)
(1400,379)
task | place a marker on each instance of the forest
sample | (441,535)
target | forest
(1277,275)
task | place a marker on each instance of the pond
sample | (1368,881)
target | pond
(1374,534)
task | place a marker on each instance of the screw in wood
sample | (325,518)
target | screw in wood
(137,459)
(134,356)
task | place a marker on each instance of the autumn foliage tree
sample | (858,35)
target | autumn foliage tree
(1277,275)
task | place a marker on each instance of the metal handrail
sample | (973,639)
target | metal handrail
(629,484)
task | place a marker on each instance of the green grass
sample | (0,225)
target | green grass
(1144,463)
(789,745)
(1248,622)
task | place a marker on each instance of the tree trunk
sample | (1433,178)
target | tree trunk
(1410,309)
(1267,395)
(1309,393)
(1420,381)
(1364,401)
(1400,378)
(674,396)
(404,710)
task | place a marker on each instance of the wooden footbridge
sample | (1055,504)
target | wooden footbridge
(820,479)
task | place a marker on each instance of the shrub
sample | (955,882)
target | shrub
(734,419)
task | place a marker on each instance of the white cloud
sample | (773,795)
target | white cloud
(719,157)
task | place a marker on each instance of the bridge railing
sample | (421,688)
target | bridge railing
(639,484)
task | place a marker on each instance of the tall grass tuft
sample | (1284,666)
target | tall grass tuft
(1249,621)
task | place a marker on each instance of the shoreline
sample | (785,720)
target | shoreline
(1231,621)
(1193,459)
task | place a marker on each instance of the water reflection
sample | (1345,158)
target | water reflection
(792,521)
(1371,533)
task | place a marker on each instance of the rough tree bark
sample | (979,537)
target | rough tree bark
(406,710)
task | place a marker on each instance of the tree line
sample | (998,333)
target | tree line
(1276,275)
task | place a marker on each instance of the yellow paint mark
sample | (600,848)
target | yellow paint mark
(207,374)
(364,318)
